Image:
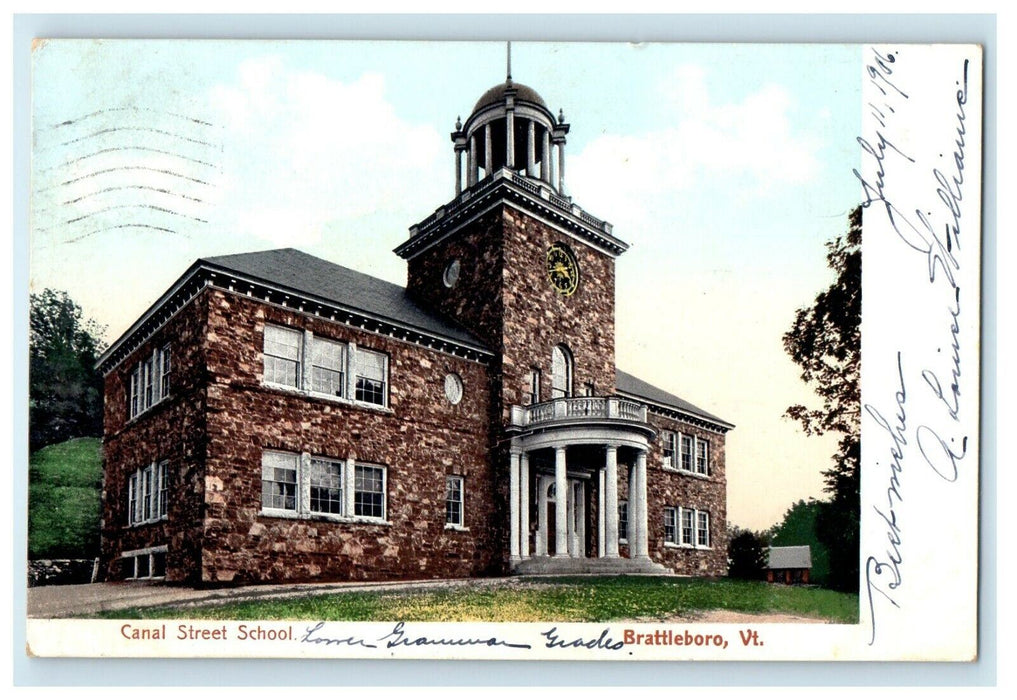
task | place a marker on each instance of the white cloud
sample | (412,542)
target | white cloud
(710,144)
(302,152)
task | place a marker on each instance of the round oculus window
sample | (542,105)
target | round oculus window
(453,388)
(451,275)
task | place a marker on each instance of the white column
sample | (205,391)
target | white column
(488,156)
(531,149)
(545,158)
(600,512)
(561,541)
(524,506)
(510,140)
(459,172)
(541,516)
(642,539)
(561,168)
(570,522)
(471,163)
(611,501)
(514,506)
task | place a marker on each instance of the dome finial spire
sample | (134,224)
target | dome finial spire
(508,61)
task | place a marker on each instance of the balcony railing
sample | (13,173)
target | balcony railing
(578,409)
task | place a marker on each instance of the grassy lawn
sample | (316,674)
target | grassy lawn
(64,481)
(530,600)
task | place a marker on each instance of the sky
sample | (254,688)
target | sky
(725,167)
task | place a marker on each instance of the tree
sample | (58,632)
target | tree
(747,552)
(825,341)
(65,390)
(799,527)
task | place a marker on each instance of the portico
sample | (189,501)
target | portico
(580,448)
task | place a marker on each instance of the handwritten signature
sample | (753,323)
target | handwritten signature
(400,637)
(940,244)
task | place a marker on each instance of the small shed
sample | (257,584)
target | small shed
(789,564)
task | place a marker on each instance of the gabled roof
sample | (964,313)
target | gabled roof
(627,384)
(790,557)
(306,274)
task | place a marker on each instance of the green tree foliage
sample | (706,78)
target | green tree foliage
(65,390)
(825,341)
(747,554)
(799,528)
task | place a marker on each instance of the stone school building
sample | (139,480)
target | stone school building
(275,417)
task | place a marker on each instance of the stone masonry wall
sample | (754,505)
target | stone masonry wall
(674,488)
(173,429)
(537,317)
(419,439)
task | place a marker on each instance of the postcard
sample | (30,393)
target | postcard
(527,351)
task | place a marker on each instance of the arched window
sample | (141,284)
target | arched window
(561,372)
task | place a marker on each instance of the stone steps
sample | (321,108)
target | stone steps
(567,566)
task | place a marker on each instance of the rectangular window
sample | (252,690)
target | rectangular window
(454,501)
(162,489)
(279,480)
(283,347)
(164,379)
(534,386)
(702,454)
(369,492)
(623,521)
(371,374)
(136,391)
(686,455)
(326,486)
(703,529)
(668,441)
(670,525)
(589,389)
(328,363)
(147,486)
(132,499)
(688,526)
(149,382)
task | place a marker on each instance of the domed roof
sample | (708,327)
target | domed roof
(496,95)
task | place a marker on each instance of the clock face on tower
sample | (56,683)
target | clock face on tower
(562,269)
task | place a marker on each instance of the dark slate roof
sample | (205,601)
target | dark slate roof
(627,384)
(306,274)
(790,557)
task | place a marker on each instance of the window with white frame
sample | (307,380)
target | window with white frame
(369,493)
(702,456)
(328,367)
(148,494)
(279,480)
(288,351)
(668,440)
(299,485)
(534,386)
(688,526)
(695,527)
(326,476)
(149,382)
(561,372)
(670,525)
(702,528)
(283,351)
(686,453)
(372,369)
(149,563)
(454,501)
(623,521)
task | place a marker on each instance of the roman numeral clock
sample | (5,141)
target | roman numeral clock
(562,269)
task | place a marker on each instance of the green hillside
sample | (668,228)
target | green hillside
(64,483)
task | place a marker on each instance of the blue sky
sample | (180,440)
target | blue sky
(726,167)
